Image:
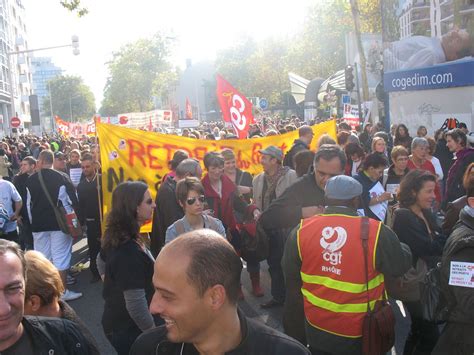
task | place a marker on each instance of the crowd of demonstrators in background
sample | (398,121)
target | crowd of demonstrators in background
(408,183)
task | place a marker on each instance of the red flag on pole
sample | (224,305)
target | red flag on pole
(236,108)
(189,110)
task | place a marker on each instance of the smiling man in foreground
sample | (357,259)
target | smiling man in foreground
(197,281)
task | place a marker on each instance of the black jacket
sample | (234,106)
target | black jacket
(257,339)
(285,211)
(298,145)
(55,336)
(42,214)
(166,213)
(456,337)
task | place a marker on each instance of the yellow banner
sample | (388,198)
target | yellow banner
(130,154)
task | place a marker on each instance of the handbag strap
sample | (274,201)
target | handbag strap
(45,190)
(364,236)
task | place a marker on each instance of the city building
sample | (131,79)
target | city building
(13,37)
(43,70)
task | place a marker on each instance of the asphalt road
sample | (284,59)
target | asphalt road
(90,306)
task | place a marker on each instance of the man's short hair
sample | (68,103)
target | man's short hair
(213,262)
(87,156)
(183,187)
(46,156)
(458,135)
(329,152)
(187,167)
(304,130)
(8,246)
(30,160)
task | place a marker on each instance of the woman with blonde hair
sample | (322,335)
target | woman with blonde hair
(43,291)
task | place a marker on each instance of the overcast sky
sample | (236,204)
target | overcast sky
(200,27)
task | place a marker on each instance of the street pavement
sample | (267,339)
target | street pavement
(90,306)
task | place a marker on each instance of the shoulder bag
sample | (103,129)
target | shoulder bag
(68,222)
(378,329)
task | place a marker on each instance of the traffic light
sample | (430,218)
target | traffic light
(75,45)
(349,77)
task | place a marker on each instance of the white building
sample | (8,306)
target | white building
(13,37)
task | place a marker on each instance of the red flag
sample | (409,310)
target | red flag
(236,108)
(189,110)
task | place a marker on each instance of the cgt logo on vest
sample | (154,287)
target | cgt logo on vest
(333,239)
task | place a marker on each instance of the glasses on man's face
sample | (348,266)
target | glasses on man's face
(149,201)
(192,200)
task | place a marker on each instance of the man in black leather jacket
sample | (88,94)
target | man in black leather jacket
(24,334)
(197,282)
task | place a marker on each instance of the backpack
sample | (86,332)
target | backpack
(255,242)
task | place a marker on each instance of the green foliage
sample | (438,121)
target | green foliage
(138,71)
(74,6)
(70,94)
(318,50)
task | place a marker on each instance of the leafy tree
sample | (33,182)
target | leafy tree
(138,71)
(74,6)
(70,95)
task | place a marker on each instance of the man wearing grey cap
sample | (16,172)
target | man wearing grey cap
(325,273)
(268,186)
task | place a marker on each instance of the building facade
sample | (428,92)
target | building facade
(13,38)
(43,70)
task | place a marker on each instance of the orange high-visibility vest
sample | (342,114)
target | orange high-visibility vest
(333,272)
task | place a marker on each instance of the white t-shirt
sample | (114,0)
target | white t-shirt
(438,168)
(8,195)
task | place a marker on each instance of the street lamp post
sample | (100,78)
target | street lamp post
(75,50)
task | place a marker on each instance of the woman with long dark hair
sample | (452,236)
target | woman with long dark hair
(128,287)
(416,226)
(402,137)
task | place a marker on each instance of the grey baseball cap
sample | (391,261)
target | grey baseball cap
(342,187)
(273,151)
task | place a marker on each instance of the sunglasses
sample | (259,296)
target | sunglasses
(190,201)
(149,201)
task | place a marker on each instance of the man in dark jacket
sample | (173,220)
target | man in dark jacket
(458,259)
(197,282)
(168,209)
(306,136)
(28,165)
(21,334)
(342,195)
(303,199)
(47,235)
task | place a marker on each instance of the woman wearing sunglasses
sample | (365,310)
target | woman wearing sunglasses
(128,287)
(190,196)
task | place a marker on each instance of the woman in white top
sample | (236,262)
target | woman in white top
(435,161)
(190,195)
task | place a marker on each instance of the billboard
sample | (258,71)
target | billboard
(428,44)
(428,49)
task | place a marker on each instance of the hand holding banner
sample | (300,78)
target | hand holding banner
(236,108)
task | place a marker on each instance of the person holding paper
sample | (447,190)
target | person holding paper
(457,283)
(374,197)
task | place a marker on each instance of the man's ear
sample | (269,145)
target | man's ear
(217,296)
(34,302)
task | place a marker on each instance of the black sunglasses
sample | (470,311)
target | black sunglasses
(190,201)
(149,201)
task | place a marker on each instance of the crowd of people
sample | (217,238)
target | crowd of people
(342,227)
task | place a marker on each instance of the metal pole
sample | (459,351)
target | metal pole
(358,93)
(12,96)
(70,108)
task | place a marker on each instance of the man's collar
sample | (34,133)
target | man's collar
(341,210)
